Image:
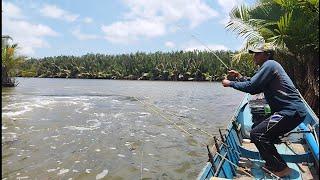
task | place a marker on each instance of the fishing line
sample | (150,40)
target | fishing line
(224,64)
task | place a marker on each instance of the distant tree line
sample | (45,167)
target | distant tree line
(174,66)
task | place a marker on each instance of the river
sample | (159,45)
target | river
(110,129)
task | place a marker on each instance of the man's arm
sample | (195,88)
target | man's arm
(257,83)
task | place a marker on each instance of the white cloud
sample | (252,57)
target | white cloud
(128,31)
(81,36)
(170,44)
(227,6)
(29,36)
(195,11)
(147,18)
(192,45)
(11,10)
(55,12)
(87,20)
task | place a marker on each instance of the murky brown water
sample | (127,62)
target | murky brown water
(96,129)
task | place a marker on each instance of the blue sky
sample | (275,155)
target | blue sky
(77,27)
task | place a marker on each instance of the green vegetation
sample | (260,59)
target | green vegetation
(292,26)
(10,62)
(175,66)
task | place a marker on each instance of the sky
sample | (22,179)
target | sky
(76,27)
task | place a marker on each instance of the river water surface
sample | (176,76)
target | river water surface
(110,129)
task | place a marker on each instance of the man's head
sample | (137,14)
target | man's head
(262,53)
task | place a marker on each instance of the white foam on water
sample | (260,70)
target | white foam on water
(145,113)
(15,105)
(3,127)
(53,147)
(163,134)
(130,104)
(16,113)
(63,171)
(99,114)
(102,174)
(23,177)
(81,98)
(17,109)
(115,101)
(51,170)
(77,128)
(145,169)
(96,125)
(118,115)
(88,171)
(103,132)
(151,154)
(86,106)
(98,150)
(112,148)
(74,170)
(78,111)
(121,155)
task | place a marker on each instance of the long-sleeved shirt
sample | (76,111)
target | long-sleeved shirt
(279,91)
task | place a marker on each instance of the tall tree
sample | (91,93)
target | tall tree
(291,26)
(10,60)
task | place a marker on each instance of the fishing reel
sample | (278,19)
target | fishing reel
(231,78)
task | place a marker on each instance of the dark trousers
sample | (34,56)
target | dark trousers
(265,134)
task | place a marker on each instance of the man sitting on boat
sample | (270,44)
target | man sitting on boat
(287,108)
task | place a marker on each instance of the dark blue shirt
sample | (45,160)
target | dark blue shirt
(279,91)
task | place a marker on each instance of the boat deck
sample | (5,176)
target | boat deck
(253,166)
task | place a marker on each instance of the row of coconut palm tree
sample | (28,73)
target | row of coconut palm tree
(196,65)
(292,27)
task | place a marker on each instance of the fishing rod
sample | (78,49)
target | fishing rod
(224,64)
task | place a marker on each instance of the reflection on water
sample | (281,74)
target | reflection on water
(95,129)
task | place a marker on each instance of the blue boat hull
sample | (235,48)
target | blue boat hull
(232,151)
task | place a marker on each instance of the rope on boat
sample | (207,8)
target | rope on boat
(238,167)
(265,169)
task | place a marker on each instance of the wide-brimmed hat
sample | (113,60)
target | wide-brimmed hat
(265,47)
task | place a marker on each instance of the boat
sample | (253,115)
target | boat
(234,156)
